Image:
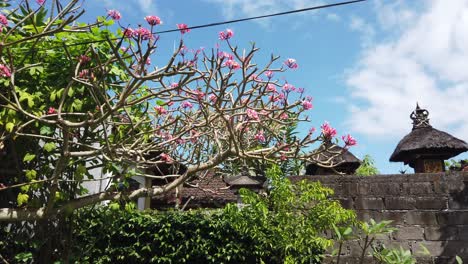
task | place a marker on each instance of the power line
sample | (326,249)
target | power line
(265,16)
(228,22)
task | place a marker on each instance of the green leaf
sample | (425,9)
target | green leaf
(30,102)
(49,147)
(459,260)
(9,127)
(114,206)
(31,175)
(28,157)
(45,130)
(22,199)
(53,96)
(71,92)
(77,104)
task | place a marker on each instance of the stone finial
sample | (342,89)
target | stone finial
(420,117)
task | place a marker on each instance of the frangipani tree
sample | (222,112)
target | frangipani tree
(76,97)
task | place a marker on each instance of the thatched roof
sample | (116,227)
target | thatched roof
(428,141)
(345,159)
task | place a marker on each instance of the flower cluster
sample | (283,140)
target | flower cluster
(83,59)
(349,140)
(143,33)
(114,14)
(328,131)
(40,2)
(183,28)
(186,104)
(231,64)
(307,105)
(160,110)
(225,35)
(291,63)
(51,111)
(252,115)
(260,137)
(4,71)
(3,21)
(153,20)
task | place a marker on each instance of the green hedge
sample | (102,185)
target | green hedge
(118,236)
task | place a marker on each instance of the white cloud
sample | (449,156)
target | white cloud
(246,8)
(426,61)
(367,31)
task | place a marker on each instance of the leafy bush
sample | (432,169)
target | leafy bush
(116,236)
(367,167)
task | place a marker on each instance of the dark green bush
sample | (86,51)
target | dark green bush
(116,236)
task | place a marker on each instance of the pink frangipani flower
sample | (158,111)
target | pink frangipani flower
(84,59)
(153,20)
(3,21)
(225,55)
(288,87)
(186,104)
(260,137)
(143,33)
(328,131)
(114,14)
(232,64)
(271,88)
(4,71)
(51,111)
(225,35)
(269,74)
(128,32)
(183,28)
(165,157)
(252,115)
(291,63)
(306,105)
(40,2)
(160,110)
(349,140)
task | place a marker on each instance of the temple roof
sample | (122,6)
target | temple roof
(428,141)
(344,159)
(424,140)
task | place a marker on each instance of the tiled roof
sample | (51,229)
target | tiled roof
(208,191)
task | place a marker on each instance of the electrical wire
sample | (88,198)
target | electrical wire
(229,21)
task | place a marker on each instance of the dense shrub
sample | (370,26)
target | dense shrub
(119,236)
(285,226)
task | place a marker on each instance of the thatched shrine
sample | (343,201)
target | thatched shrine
(425,148)
(340,160)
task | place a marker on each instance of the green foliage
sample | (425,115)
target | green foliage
(121,236)
(454,165)
(288,223)
(394,256)
(367,167)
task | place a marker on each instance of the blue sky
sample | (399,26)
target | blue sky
(366,65)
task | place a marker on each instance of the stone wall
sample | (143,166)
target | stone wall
(428,209)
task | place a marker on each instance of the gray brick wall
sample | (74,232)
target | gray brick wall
(429,209)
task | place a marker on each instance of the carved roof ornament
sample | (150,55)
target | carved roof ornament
(420,117)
